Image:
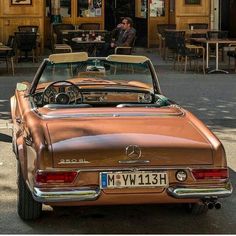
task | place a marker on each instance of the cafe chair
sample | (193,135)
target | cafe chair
(89,26)
(25,42)
(217,35)
(57,36)
(187,53)
(198,26)
(161,35)
(8,55)
(125,50)
(28,28)
(232,54)
(171,42)
(62,48)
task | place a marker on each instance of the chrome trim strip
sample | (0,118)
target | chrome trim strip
(91,169)
(112,115)
(66,195)
(203,192)
(134,162)
(118,168)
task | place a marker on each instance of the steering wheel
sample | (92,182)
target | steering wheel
(66,93)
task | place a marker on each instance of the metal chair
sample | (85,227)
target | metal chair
(125,50)
(8,55)
(189,53)
(171,43)
(25,42)
(198,26)
(217,35)
(57,36)
(232,54)
(28,28)
(161,35)
(89,26)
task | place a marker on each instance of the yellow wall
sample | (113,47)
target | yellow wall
(186,14)
(13,15)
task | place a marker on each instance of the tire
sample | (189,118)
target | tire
(197,208)
(27,207)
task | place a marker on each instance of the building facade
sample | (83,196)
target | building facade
(147,15)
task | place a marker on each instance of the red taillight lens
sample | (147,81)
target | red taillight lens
(210,173)
(55,177)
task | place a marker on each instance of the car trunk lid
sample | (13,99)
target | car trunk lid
(163,139)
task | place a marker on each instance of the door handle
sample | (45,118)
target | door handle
(19,120)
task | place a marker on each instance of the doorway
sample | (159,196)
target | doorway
(116,9)
(227,16)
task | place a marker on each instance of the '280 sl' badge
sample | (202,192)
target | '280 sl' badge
(133,152)
(72,161)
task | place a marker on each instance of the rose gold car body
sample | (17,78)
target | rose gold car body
(86,142)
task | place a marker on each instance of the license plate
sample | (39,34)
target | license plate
(133,179)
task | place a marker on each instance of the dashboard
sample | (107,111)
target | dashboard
(91,97)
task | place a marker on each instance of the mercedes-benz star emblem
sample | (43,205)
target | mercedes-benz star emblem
(133,152)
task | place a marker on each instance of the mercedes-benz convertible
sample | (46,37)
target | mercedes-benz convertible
(99,131)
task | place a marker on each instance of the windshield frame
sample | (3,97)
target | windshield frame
(40,71)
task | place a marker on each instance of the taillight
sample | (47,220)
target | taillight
(210,173)
(55,177)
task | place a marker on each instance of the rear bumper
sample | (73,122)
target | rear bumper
(93,193)
(201,192)
(66,195)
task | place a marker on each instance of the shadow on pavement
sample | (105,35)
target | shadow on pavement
(5,138)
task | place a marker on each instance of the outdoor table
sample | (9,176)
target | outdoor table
(6,48)
(198,48)
(216,42)
(89,45)
(64,32)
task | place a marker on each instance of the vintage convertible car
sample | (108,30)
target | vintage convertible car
(99,131)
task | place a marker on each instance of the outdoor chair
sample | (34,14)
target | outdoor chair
(89,26)
(189,53)
(232,54)
(217,35)
(125,50)
(57,36)
(198,26)
(8,55)
(171,42)
(161,35)
(28,28)
(25,42)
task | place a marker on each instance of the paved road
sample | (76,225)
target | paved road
(211,98)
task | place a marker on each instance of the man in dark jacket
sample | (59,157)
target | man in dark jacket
(123,35)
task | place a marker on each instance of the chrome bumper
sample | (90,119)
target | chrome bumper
(91,194)
(66,195)
(196,192)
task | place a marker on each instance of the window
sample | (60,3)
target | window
(196,2)
(65,9)
(157,8)
(89,8)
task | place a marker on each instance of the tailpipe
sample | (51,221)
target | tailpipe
(210,205)
(217,205)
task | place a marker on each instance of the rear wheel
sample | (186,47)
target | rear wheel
(27,207)
(197,208)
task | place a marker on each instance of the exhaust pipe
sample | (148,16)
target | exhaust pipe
(217,205)
(210,205)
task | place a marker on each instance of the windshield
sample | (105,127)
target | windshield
(99,72)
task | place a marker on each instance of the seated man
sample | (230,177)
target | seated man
(125,36)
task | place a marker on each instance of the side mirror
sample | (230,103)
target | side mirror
(21,87)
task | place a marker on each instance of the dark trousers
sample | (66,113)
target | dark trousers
(105,50)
